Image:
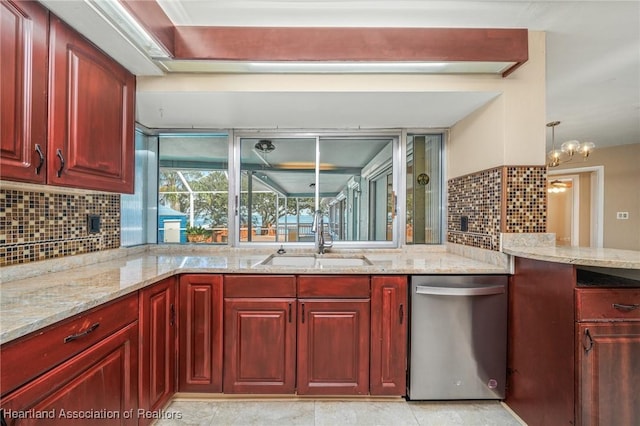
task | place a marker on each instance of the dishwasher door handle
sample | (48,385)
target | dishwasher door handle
(461,291)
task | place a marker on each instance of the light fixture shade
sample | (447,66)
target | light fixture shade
(586,148)
(556,157)
(570,147)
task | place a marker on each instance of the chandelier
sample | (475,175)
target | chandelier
(567,150)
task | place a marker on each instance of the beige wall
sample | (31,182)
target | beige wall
(510,130)
(621,192)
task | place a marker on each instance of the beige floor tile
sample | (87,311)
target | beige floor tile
(188,413)
(467,413)
(280,413)
(332,413)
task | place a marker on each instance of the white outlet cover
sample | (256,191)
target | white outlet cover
(622,215)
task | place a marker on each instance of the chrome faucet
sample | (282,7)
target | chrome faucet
(318,229)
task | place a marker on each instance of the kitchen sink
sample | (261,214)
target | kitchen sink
(315,261)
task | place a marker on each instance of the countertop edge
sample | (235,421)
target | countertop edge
(606,258)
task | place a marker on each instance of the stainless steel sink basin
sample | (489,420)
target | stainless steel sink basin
(315,261)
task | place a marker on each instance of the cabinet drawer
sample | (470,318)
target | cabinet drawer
(259,286)
(333,286)
(30,356)
(608,304)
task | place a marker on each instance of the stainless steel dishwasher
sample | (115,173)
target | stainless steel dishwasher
(458,347)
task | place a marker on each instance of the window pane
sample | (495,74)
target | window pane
(277,189)
(424,189)
(193,188)
(356,186)
(133,207)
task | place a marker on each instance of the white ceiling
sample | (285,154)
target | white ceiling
(593,63)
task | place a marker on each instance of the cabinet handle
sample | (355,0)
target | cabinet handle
(59,154)
(587,344)
(73,337)
(3,422)
(41,155)
(302,306)
(172,315)
(401,313)
(625,308)
(289,312)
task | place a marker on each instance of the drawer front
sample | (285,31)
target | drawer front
(608,304)
(259,286)
(32,355)
(334,286)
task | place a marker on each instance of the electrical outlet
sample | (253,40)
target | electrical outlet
(622,215)
(93,223)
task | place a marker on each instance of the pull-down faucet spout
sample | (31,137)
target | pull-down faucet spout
(318,229)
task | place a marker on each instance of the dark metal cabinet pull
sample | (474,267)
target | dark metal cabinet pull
(89,330)
(401,313)
(3,422)
(172,315)
(62,164)
(289,312)
(624,307)
(302,314)
(41,155)
(587,342)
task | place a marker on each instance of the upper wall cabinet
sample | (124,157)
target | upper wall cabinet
(23,77)
(84,136)
(91,115)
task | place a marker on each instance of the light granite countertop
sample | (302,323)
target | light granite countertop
(580,256)
(37,295)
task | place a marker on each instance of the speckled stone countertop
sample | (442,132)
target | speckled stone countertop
(583,256)
(50,292)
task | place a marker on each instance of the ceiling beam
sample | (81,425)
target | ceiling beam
(352,44)
(152,17)
(333,43)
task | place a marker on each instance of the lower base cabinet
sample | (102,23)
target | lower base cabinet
(98,386)
(608,373)
(389,335)
(157,329)
(260,345)
(333,347)
(200,333)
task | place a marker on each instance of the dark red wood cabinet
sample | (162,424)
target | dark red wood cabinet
(608,356)
(333,335)
(91,115)
(260,317)
(333,347)
(23,102)
(200,333)
(574,351)
(84,366)
(260,346)
(158,346)
(67,109)
(389,328)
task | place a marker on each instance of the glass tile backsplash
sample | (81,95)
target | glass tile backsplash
(45,225)
(509,199)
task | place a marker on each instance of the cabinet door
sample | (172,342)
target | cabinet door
(157,326)
(608,373)
(91,115)
(200,333)
(259,345)
(389,335)
(333,347)
(23,103)
(100,380)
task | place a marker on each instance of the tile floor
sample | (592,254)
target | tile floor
(335,413)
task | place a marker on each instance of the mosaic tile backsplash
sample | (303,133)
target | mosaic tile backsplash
(41,225)
(505,199)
